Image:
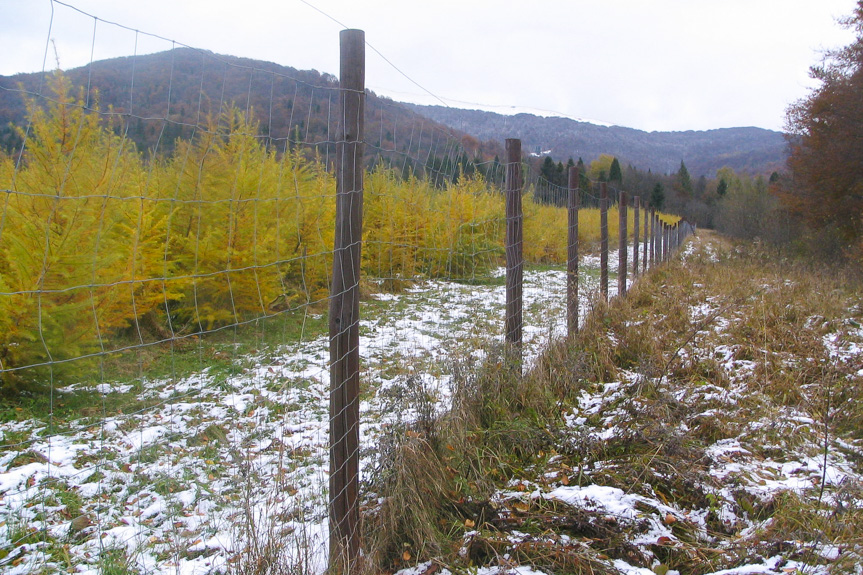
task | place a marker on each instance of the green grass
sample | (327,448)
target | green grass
(221,353)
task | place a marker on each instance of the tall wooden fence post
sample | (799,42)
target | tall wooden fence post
(646,239)
(662,241)
(636,215)
(572,253)
(345,311)
(665,238)
(652,237)
(622,247)
(603,240)
(513,247)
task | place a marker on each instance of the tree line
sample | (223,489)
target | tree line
(104,248)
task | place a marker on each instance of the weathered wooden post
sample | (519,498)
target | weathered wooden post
(652,237)
(665,240)
(344,321)
(636,205)
(621,245)
(646,239)
(603,240)
(662,243)
(572,252)
(513,248)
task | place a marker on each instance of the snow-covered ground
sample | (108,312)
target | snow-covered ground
(220,464)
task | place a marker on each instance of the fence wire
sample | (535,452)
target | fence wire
(166,237)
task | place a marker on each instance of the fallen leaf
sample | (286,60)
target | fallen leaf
(669,519)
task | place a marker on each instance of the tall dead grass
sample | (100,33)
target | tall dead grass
(726,342)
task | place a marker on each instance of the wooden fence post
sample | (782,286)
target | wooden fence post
(646,239)
(344,320)
(622,246)
(572,253)
(652,237)
(661,241)
(603,240)
(665,238)
(636,215)
(674,244)
(513,248)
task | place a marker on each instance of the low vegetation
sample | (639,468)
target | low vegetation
(707,421)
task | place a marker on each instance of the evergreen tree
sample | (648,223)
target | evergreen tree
(657,197)
(583,179)
(683,181)
(548,170)
(614,173)
(722,188)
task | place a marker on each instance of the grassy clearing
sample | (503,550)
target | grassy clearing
(708,421)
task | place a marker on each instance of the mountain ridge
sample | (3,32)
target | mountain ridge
(746,149)
(296,105)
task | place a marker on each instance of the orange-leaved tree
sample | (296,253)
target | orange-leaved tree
(825,133)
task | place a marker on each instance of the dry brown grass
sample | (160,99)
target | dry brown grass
(727,343)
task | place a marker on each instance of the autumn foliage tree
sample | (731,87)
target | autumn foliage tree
(826,133)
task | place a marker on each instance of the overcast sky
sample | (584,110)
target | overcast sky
(646,64)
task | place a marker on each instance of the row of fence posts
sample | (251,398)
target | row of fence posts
(657,238)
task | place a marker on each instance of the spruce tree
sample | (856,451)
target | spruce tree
(614,173)
(683,181)
(657,197)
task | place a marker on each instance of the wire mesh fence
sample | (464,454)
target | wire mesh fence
(167,236)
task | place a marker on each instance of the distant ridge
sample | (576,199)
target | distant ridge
(751,150)
(291,102)
(168,95)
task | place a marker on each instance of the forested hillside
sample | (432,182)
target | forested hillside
(162,97)
(751,150)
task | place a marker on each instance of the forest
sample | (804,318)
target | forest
(104,248)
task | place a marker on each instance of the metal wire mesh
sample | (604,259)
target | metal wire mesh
(166,248)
